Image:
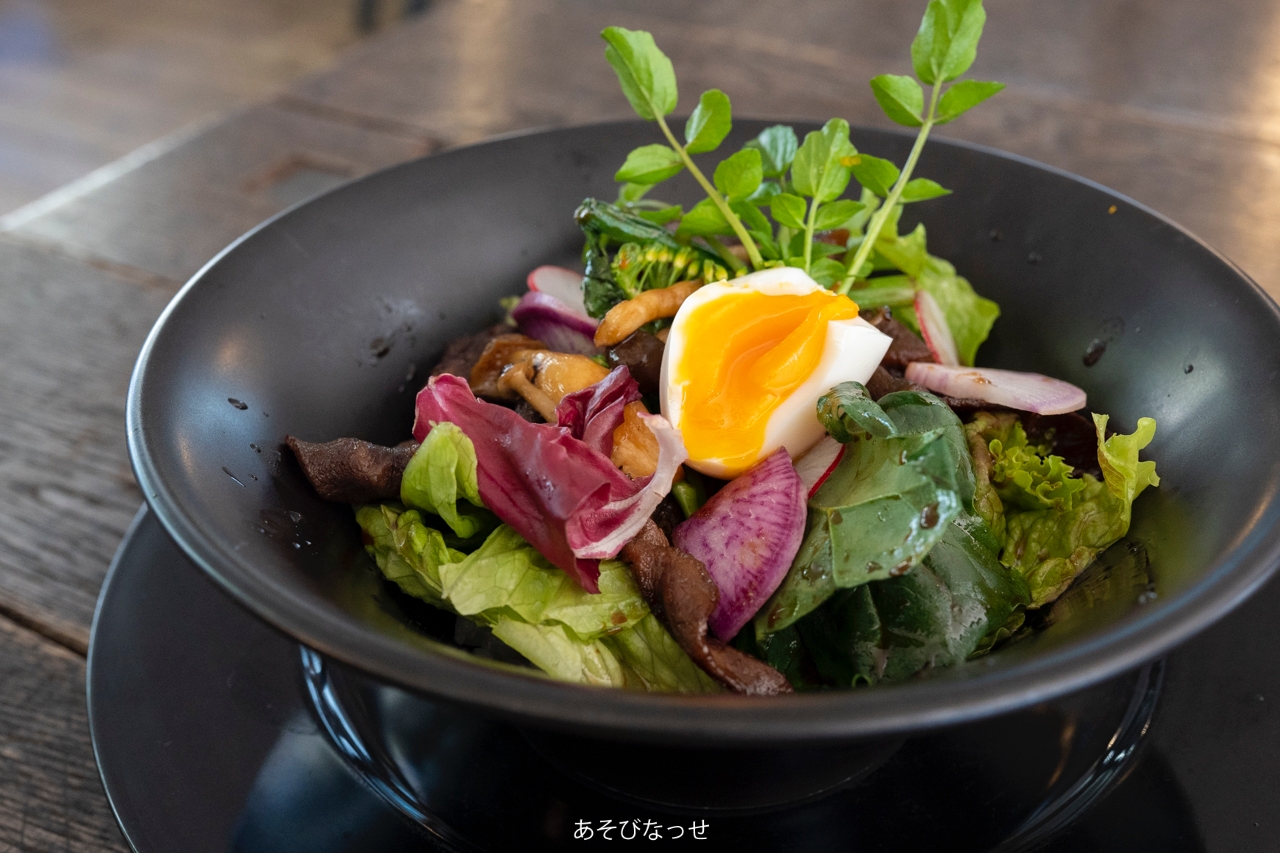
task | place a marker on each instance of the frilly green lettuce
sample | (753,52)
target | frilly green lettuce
(441,479)
(1051,523)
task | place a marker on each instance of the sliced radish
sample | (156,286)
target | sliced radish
(816,464)
(542,316)
(563,284)
(933,325)
(1027,392)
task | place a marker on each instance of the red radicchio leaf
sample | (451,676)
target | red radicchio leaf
(593,413)
(566,499)
(747,535)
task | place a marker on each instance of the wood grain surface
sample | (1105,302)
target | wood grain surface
(1173,103)
(50,796)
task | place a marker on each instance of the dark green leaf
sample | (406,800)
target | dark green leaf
(821,165)
(919,412)
(922,189)
(739,174)
(710,123)
(875,174)
(826,271)
(788,210)
(662,215)
(650,164)
(836,213)
(644,72)
(848,412)
(935,616)
(963,96)
(704,219)
(777,146)
(900,97)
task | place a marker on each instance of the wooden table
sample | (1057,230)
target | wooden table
(1174,103)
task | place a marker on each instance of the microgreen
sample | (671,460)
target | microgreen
(778,193)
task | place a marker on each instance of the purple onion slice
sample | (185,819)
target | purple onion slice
(1027,392)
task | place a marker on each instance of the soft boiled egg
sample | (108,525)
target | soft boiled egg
(747,359)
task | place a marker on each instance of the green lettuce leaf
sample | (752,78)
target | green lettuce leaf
(969,316)
(936,616)
(904,475)
(1051,523)
(610,639)
(441,474)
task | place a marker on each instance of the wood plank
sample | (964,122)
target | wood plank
(50,795)
(85,83)
(469,70)
(69,334)
(174,212)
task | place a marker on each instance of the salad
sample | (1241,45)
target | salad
(748,449)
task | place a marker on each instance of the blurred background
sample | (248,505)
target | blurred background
(83,82)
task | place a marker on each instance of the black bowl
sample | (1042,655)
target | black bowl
(322,323)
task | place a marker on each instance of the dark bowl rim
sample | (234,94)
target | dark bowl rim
(729,720)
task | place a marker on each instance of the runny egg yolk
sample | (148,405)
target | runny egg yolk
(759,348)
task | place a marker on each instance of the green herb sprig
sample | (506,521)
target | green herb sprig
(943,49)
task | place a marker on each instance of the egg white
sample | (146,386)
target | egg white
(854,348)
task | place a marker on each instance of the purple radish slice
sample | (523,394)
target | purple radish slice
(933,325)
(542,316)
(1027,392)
(747,535)
(817,463)
(563,284)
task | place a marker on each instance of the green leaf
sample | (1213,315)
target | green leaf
(938,615)
(821,167)
(894,291)
(407,551)
(662,215)
(883,508)
(969,316)
(836,213)
(900,97)
(1052,526)
(764,192)
(751,216)
(826,271)
(652,660)
(704,219)
(441,474)
(875,173)
(788,210)
(739,174)
(628,193)
(644,72)
(650,164)
(922,189)
(710,122)
(847,412)
(947,41)
(777,146)
(962,97)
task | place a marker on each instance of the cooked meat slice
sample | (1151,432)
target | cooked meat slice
(906,347)
(641,352)
(682,594)
(461,354)
(885,381)
(348,470)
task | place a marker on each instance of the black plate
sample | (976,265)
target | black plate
(321,322)
(206,743)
